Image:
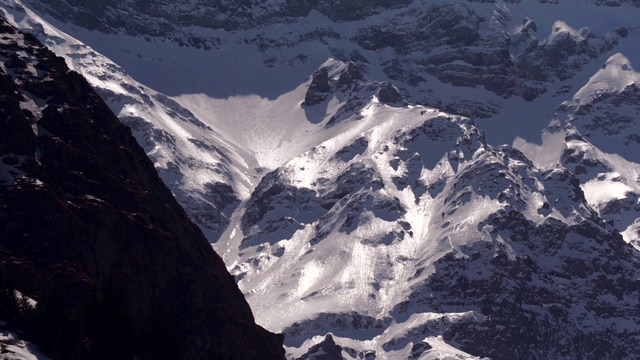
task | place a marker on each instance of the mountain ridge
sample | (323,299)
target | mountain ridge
(93,235)
(401,229)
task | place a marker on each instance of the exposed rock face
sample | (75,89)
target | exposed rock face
(389,94)
(325,350)
(226,14)
(529,279)
(348,85)
(318,89)
(352,74)
(163,17)
(526,316)
(84,212)
(457,42)
(600,121)
(456,46)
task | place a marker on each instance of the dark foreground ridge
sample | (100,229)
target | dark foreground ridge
(93,235)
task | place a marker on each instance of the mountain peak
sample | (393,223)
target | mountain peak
(93,235)
(615,75)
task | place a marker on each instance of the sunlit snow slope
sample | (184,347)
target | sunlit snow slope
(441,179)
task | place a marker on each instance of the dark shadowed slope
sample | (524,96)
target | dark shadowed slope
(89,230)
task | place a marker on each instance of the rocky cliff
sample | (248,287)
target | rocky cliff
(93,235)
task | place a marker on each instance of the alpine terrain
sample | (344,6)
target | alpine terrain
(402,179)
(97,259)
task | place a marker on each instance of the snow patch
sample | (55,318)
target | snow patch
(604,188)
(614,76)
(560,27)
(14,348)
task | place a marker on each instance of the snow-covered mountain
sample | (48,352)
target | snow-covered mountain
(98,259)
(414,179)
